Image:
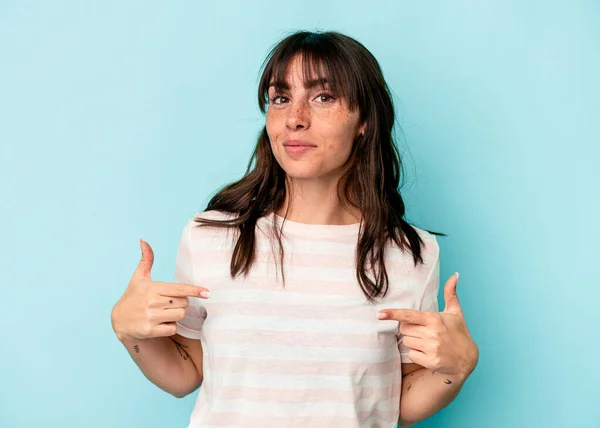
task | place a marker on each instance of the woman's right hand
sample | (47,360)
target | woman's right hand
(149,308)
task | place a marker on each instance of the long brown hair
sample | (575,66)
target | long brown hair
(371,179)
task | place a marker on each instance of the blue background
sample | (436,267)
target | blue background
(119,119)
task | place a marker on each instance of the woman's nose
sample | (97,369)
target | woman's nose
(298,115)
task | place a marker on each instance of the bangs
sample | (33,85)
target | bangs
(323,64)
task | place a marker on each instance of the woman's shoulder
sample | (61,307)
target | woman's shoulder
(430,249)
(424,234)
(214,215)
(207,236)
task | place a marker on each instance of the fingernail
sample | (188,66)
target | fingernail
(205,294)
(381,315)
(456,275)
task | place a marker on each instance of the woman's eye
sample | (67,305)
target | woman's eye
(275,98)
(329,96)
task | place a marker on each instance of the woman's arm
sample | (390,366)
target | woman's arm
(173,363)
(441,343)
(425,392)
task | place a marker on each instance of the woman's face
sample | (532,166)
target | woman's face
(311,130)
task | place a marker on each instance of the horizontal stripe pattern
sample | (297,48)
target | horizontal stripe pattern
(312,353)
(267,379)
(279,367)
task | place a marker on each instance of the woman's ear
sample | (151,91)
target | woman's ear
(362,129)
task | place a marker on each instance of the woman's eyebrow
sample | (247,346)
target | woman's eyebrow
(309,85)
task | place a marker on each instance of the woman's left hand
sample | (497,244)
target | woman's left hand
(439,341)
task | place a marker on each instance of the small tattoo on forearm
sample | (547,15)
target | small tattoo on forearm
(180,348)
(447,381)
(137,349)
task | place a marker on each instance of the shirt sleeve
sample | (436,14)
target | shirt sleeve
(428,301)
(184,274)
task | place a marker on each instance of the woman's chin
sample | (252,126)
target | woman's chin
(302,173)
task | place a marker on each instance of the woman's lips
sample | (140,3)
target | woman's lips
(297,150)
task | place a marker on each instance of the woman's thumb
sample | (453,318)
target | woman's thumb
(145,267)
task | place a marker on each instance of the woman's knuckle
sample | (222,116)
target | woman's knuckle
(146,329)
(151,315)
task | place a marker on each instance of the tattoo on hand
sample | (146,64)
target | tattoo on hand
(180,348)
(137,349)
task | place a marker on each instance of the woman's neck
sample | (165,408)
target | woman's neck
(317,205)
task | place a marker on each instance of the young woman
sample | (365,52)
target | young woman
(302,296)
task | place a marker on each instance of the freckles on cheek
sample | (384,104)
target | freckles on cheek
(342,134)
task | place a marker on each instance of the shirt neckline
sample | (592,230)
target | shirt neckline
(297,228)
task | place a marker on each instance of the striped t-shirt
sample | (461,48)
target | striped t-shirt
(312,354)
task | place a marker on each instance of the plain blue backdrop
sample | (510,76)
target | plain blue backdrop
(119,119)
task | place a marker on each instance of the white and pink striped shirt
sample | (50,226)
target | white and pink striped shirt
(311,355)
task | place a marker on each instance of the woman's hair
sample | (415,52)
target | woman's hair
(371,180)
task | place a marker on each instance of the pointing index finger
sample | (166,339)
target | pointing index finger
(182,290)
(410,316)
